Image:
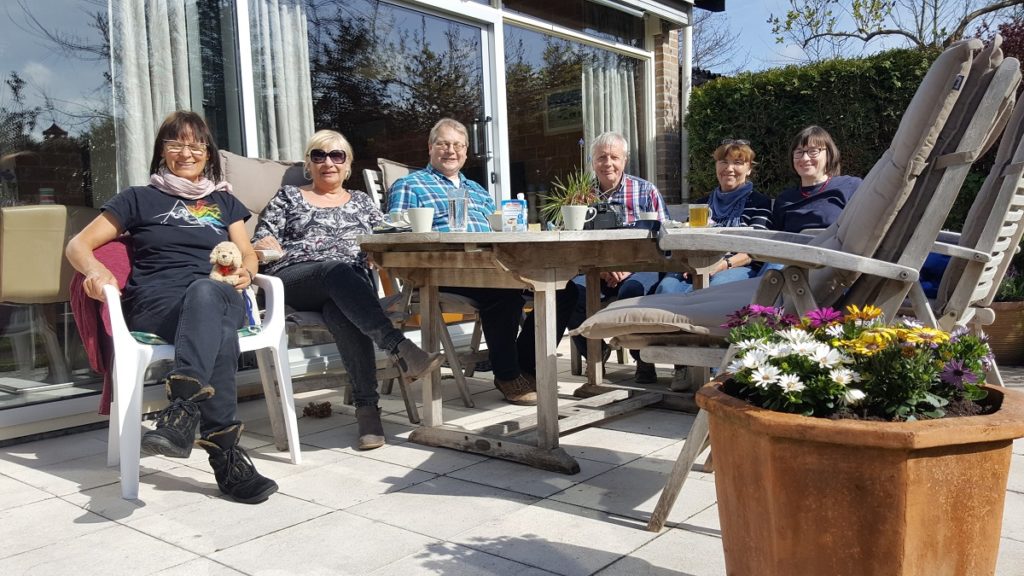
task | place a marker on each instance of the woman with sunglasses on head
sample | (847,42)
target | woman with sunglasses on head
(174,222)
(734,202)
(315,228)
(822,193)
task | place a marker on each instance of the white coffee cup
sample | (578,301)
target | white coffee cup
(647,216)
(574,217)
(494,220)
(420,219)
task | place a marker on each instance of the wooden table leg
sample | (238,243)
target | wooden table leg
(547,369)
(431,383)
(595,358)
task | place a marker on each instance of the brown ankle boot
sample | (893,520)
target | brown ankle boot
(371,430)
(413,362)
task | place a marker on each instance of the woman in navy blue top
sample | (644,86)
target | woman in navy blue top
(823,192)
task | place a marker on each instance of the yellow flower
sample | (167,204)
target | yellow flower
(871,341)
(925,335)
(869,312)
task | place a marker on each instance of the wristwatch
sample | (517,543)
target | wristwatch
(728,263)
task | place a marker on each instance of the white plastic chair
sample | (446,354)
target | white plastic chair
(131,358)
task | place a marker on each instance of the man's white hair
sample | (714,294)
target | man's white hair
(608,139)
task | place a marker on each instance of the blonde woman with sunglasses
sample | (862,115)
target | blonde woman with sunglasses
(315,227)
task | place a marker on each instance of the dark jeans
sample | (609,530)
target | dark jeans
(500,312)
(346,298)
(203,327)
(637,284)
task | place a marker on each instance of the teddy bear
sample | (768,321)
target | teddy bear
(227,263)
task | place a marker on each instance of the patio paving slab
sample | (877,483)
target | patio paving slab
(402,509)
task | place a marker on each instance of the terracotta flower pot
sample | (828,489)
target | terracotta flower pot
(801,495)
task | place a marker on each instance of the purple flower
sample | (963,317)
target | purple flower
(823,317)
(956,374)
(958,332)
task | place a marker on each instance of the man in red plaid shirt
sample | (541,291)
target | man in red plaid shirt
(609,154)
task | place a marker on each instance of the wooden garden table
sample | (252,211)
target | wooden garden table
(542,262)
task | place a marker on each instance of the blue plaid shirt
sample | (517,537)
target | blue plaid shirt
(428,188)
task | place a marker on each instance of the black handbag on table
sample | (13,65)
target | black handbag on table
(609,217)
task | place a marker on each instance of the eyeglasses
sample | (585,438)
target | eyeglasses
(442,145)
(319,156)
(176,147)
(812,153)
(730,142)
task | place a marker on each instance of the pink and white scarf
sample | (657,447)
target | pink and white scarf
(166,181)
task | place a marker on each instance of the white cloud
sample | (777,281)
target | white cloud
(37,74)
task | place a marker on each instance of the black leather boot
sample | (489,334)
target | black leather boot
(177,423)
(236,475)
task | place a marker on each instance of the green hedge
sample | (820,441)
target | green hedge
(859,101)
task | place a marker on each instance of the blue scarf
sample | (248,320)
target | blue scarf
(727,207)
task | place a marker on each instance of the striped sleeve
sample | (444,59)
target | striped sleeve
(758,212)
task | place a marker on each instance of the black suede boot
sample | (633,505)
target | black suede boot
(176,424)
(236,475)
(371,430)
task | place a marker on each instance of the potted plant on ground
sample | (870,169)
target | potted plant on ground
(576,189)
(1006,333)
(847,447)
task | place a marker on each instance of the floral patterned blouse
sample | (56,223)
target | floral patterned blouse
(312,234)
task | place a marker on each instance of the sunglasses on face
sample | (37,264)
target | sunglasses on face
(319,156)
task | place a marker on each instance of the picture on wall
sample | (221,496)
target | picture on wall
(563,111)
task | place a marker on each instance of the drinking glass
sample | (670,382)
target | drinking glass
(699,215)
(458,210)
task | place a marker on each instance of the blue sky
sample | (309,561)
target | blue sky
(749,21)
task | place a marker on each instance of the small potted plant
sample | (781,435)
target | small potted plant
(576,189)
(1006,333)
(846,446)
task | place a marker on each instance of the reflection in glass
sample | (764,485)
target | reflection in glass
(157,70)
(595,20)
(284,105)
(383,75)
(561,94)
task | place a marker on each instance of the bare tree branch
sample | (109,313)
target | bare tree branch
(865,37)
(958,31)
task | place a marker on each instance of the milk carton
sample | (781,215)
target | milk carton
(513,214)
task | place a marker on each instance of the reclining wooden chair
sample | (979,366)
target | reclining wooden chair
(872,254)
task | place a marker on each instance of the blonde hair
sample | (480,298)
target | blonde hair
(447,123)
(329,140)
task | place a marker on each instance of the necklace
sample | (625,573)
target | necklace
(814,192)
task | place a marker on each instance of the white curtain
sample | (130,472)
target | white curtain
(284,96)
(149,63)
(609,104)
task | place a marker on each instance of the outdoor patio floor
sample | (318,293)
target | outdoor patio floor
(402,509)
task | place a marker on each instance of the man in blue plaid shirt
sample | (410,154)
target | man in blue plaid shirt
(513,359)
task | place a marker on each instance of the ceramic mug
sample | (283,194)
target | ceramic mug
(420,219)
(494,221)
(399,217)
(574,217)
